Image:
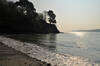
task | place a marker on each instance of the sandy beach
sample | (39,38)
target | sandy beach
(11,57)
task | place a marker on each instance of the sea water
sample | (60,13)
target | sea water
(84,45)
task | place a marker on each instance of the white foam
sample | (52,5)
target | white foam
(42,54)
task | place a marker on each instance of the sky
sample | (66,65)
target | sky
(72,14)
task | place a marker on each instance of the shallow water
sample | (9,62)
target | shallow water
(81,44)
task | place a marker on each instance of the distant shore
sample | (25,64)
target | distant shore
(11,57)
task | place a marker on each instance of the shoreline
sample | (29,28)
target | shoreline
(55,59)
(11,57)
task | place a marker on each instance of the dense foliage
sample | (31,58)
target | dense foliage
(21,17)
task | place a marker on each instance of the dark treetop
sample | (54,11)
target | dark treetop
(21,17)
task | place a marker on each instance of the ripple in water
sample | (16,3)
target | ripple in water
(40,53)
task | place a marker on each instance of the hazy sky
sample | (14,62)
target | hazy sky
(72,14)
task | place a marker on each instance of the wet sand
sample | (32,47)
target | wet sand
(11,57)
(27,51)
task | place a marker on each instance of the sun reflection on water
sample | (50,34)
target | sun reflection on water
(80,41)
(80,34)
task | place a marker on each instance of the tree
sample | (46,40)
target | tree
(7,9)
(52,16)
(27,8)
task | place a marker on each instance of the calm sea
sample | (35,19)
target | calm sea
(82,44)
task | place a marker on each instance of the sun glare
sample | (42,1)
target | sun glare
(81,34)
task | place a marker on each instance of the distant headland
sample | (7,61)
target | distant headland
(92,30)
(21,17)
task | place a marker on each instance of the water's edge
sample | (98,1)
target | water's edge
(40,53)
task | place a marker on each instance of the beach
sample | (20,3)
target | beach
(11,57)
(27,54)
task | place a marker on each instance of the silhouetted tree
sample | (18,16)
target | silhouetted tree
(40,17)
(48,14)
(20,17)
(7,9)
(27,8)
(52,16)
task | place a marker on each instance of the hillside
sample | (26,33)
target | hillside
(17,19)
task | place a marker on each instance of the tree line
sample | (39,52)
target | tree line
(23,9)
